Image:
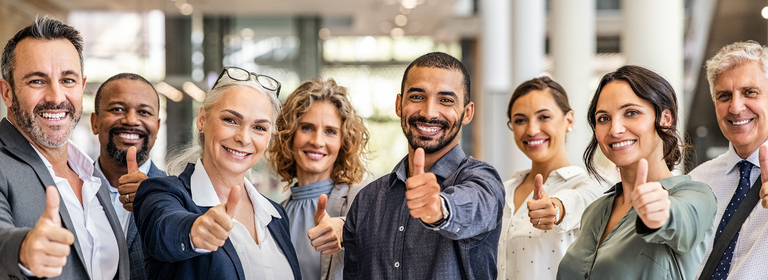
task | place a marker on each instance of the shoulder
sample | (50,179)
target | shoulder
(709,167)
(680,183)
(474,167)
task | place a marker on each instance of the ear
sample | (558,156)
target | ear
(666,118)
(94,124)
(5,90)
(469,113)
(200,119)
(84,78)
(398,104)
(569,118)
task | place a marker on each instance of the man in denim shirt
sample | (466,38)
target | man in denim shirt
(440,224)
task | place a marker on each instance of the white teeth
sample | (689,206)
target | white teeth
(536,142)
(742,122)
(622,144)
(314,154)
(128,136)
(55,117)
(427,129)
(240,154)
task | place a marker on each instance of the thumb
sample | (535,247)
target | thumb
(642,172)
(130,160)
(418,162)
(322,201)
(764,161)
(232,200)
(52,205)
(538,190)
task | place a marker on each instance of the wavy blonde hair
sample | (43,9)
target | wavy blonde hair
(349,167)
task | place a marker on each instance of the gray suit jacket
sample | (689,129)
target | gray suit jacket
(23,178)
(133,240)
(338,206)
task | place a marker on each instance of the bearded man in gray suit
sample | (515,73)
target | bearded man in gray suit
(55,219)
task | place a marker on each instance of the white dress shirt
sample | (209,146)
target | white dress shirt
(529,253)
(264,260)
(94,233)
(114,195)
(751,253)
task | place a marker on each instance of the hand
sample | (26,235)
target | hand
(650,200)
(326,236)
(129,183)
(45,249)
(423,192)
(211,230)
(764,174)
(540,209)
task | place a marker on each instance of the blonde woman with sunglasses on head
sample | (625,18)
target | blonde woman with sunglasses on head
(209,222)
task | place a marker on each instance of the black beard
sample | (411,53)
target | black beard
(26,121)
(119,156)
(450,131)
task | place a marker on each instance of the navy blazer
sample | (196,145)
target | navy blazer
(164,213)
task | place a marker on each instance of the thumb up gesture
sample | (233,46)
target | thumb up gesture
(764,174)
(45,249)
(540,209)
(650,200)
(129,183)
(211,230)
(326,236)
(423,192)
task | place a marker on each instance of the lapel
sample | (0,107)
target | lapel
(337,200)
(154,171)
(19,147)
(124,263)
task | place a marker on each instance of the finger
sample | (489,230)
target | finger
(60,236)
(316,232)
(538,191)
(51,212)
(418,162)
(763,154)
(642,172)
(320,213)
(130,160)
(232,200)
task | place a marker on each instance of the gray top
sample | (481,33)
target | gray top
(631,250)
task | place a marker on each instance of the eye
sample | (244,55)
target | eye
(331,131)
(229,120)
(145,113)
(723,96)
(260,127)
(68,81)
(632,113)
(448,101)
(519,121)
(750,92)
(36,82)
(307,128)
(116,109)
(603,119)
(545,117)
(416,97)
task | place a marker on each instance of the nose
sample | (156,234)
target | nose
(532,129)
(56,94)
(736,105)
(429,109)
(316,139)
(617,128)
(130,118)
(241,136)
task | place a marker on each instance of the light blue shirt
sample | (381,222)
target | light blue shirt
(301,209)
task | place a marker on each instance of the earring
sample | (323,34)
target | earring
(570,128)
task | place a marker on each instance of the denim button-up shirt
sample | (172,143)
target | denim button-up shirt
(383,241)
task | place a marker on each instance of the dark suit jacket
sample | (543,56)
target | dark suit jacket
(23,178)
(164,212)
(135,251)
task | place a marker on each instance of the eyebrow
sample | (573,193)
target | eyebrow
(446,92)
(621,107)
(142,105)
(41,74)
(240,116)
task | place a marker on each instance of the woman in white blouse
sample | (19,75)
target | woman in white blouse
(543,204)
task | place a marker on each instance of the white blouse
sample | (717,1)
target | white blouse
(529,253)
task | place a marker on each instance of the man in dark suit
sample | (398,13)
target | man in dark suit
(55,219)
(126,120)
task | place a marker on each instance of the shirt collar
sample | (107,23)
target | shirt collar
(443,167)
(733,159)
(204,195)
(77,159)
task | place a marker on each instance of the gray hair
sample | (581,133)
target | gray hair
(177,163)
(44,28)
(734,55)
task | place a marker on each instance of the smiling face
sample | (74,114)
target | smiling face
(317,142)
(127,116)
(540,126)
(236,131)
(741,103)
(46,103)
(625,126)
(432,109)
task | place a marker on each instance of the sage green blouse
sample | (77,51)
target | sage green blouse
(631,250)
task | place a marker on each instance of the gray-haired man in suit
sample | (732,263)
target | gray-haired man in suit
(55,219)
(126,120)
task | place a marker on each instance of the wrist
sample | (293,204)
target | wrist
(558,219)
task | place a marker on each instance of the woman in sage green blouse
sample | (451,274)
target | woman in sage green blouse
(652,224)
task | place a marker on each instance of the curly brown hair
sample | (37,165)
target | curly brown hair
(349,167)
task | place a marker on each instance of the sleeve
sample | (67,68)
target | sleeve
(575,200)
(349,242)
(162,220)
(691,213)
(475,202)
(11,237)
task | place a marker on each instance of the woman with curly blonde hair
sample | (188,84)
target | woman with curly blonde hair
(322,143)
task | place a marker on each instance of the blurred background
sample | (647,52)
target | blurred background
(365,45)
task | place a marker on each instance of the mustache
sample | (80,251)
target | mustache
(117,129)
(65,105)
(412,120)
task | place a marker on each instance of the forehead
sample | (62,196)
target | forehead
(127,90)
(251,103)
(45,56)
(322,109)
(616,94)
(436,79)
(745,75)
(535,100)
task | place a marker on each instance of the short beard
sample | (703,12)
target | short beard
(450,133)
(27,122)
(119,156)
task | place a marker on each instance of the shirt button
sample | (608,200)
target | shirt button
(397,264)
(183,247)
(402,228)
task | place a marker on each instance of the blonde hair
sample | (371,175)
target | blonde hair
(349,167)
